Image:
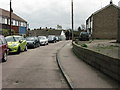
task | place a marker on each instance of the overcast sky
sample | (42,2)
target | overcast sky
(49,13)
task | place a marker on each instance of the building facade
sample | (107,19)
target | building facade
(19,25)
(118,39)
(103,24)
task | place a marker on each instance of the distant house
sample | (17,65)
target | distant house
(103,24)
(45,32)
(19,25)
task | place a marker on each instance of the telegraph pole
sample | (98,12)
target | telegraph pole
(10,17)
(72,21)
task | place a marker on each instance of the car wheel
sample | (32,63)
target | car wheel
(4,59)
(34,46)
(18,51)
(25,48)
(38,45)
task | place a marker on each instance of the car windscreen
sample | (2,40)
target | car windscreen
(42,37)
(10,39)
(50,37)
(17,38)
(85,33)
(30,39)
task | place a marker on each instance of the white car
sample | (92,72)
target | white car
(43,40)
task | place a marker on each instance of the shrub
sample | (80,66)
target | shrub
(84,45)
(5,32)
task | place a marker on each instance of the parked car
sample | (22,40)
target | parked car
(3,49)
(84,36)
(32,42)
(43,40)
(52,38)
(57,38)
(16,44)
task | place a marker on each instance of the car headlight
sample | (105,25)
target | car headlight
(13,45)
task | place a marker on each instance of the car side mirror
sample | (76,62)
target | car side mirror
(20,41)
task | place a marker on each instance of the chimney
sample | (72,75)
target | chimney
(111,2)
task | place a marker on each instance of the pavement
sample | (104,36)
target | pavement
(36,68)
(81,74)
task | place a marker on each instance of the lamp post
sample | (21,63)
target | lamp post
(10,17)
(72,20)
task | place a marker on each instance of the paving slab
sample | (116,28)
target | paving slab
(81,74)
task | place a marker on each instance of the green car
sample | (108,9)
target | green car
(16,44)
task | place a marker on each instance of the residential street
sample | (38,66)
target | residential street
(36,68)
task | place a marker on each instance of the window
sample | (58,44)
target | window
(0,19)
(3,20)
(13,22)
(3,40)
(10,39)
(16,23)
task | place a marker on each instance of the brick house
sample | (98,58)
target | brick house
(103,24)
(19,25)
(118,39)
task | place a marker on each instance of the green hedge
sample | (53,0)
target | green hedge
(5,32)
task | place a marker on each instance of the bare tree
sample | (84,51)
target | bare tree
(83,26)
(59,27)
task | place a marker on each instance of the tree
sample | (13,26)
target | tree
(83,26)
(79,29)
(40,28)
(59,27)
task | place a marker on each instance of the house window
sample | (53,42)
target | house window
(16,23)
(13,22)
(19,23)
(3,20)
(25,25)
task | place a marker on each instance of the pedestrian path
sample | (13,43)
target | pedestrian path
(81,74)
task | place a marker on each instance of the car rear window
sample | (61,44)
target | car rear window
(30,39)
(10,39)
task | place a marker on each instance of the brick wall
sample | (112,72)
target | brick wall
(118,38)
(105,25)
(108,65)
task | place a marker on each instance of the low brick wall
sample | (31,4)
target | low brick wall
(106,64)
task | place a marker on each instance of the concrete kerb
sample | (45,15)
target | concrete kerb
(65,75)
(108,65)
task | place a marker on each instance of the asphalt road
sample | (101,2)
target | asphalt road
(36,68)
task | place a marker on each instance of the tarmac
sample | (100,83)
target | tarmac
(81,74)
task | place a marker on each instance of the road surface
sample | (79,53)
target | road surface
(36,68)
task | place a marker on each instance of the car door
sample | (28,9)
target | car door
(4,46)
(22,43)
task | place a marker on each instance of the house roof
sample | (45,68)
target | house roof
(6,13)
(105,8)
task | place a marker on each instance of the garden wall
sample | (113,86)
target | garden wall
(106,64)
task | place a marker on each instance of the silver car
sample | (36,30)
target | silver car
(43,40)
